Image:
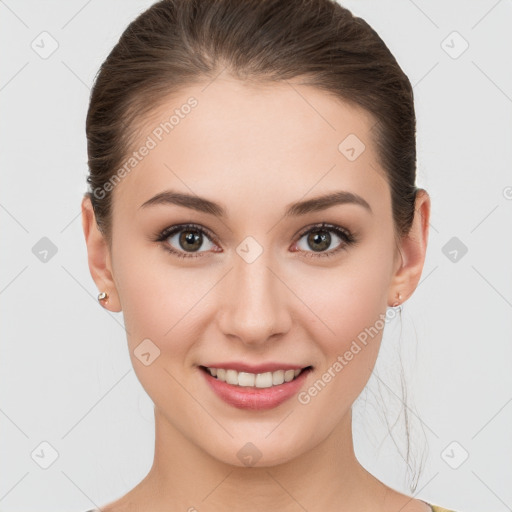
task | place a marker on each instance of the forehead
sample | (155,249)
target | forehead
(274,141)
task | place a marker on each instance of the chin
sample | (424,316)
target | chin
(258,453)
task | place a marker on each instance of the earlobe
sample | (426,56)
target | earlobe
(98,256)
(413,251)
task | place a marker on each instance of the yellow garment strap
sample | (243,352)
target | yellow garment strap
(440,509)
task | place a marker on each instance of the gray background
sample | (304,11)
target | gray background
(66,377)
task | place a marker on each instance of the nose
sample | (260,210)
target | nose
(254,305)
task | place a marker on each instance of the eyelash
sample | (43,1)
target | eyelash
(347,237)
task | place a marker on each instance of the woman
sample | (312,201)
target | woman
(253,212)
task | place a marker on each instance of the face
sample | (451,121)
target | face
(254,285)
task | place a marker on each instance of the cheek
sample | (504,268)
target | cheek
(349,303)
(158,305)
(152,296)
(355,311)
(163,303)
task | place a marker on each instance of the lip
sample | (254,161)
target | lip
(240,366)
(253,398)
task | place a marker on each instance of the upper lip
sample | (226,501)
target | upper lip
(255,368)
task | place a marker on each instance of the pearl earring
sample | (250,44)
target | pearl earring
(398,302)
(103,296)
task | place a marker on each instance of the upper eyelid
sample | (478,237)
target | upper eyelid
(324,225)
(171,230)
(166,232)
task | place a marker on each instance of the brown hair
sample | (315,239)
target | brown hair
(176,43)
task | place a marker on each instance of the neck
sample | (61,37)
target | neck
(329,477)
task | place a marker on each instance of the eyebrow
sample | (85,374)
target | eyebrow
(201,204)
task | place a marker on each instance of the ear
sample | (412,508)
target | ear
(413,248)
(99,257)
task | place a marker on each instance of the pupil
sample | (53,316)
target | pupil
(190,239)
(324,239)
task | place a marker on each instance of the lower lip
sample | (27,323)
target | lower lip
(255,398)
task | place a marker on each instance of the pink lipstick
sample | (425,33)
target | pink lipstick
(249,396)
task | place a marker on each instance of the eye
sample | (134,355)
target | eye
(188,238)
(319,238)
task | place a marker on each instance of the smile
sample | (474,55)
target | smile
(256,391)
(258,380)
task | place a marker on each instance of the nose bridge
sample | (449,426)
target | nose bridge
(254,303)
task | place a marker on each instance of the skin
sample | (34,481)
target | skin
(255,149)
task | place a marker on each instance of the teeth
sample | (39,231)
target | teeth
(259,380)
(278,377)
(245,379)
(232,377)
(263,380)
